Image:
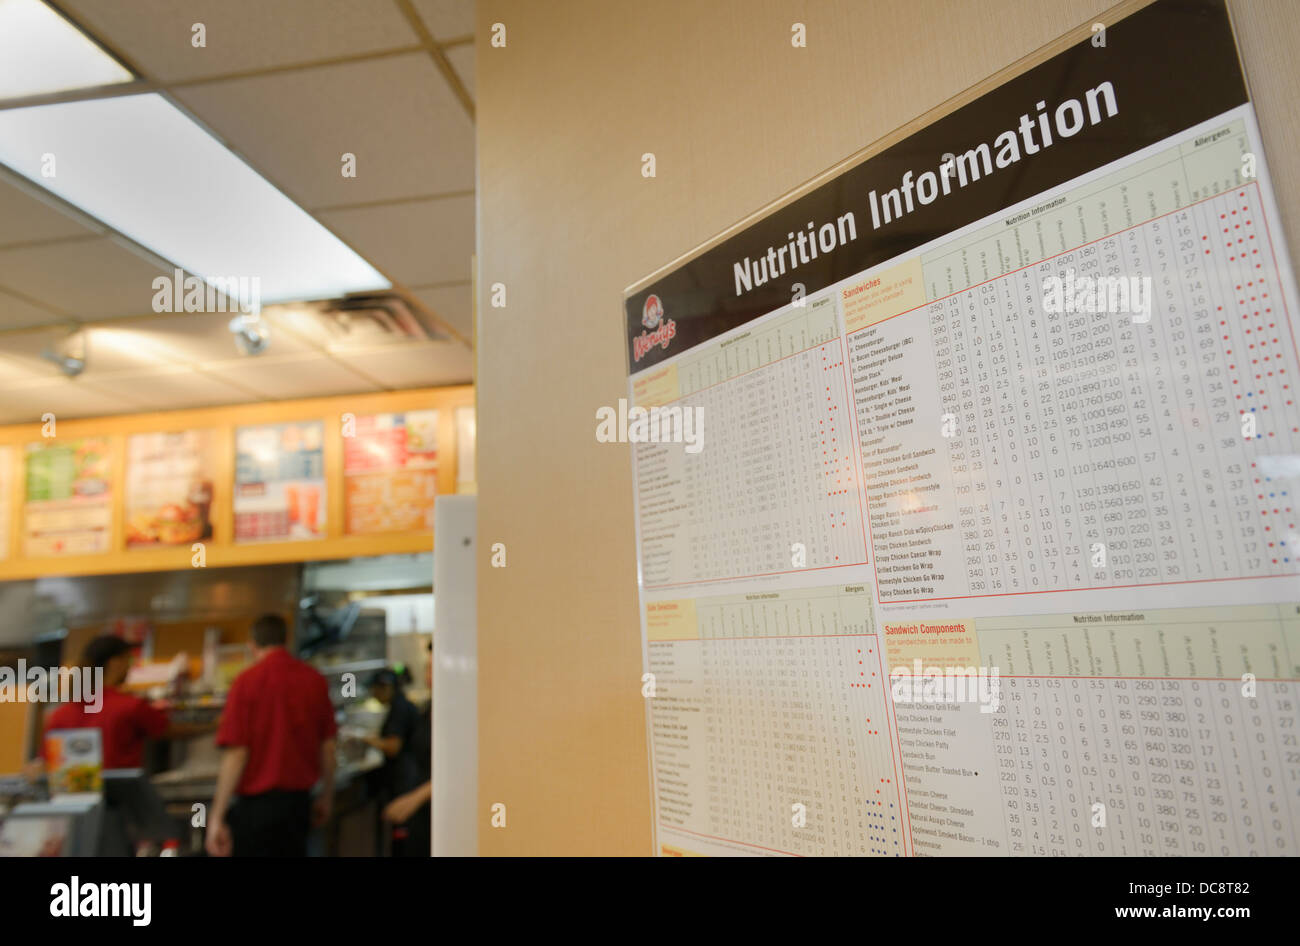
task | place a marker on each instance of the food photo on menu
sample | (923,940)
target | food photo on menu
(280,482)
(169,488)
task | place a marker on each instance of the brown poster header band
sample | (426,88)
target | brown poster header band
(1078,111)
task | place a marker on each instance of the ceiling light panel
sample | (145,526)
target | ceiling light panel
(145,168)
(41,52)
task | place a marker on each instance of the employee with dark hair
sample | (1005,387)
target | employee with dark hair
(277,734)
(395,734)
(411,813)
(394,741)
(125,721)
(133,810)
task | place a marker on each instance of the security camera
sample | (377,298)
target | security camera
(67,364)
(69,353)
(251,337)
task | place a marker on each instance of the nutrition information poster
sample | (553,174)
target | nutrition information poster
(982,535)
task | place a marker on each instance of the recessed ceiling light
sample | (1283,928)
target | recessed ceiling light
(41,52)
(145,168)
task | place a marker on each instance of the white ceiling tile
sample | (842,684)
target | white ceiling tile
(410,135)
(447,19)
(27,219)
(173,389)
(416,243)
(412,366)
(241,34)
(397,114)
(148,345)
(201,337)
(87,278)
(18,364)
(462,60)
(107,350)
(18,313)
(64,398)
(452,304)
(286,377)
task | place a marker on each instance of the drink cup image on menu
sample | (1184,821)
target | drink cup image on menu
(279,482)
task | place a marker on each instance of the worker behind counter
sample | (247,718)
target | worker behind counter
(411,812)
(125,721)
(394,739)
(135,812)
(277,736)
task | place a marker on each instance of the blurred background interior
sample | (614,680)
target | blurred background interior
(170,476)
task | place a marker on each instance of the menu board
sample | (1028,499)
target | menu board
(280,482)
(964,484)
(169,488)
(6,478)
(390,468)
(68,508)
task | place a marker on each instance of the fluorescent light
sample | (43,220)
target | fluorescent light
(41,52)
(142,166)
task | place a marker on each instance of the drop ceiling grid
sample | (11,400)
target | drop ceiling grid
(54,270)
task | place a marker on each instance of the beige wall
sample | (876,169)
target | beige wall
(735,117)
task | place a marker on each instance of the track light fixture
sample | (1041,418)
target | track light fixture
(251,337)
(69,353)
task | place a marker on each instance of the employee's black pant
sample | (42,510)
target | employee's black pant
(413,838)
(273,824)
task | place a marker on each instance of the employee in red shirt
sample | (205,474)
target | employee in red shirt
(125,721)
(277,733)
